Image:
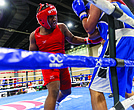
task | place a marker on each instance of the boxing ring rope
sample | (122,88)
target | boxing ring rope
(111,9)
(20,88)
(82,70)
(21,59)
(20,77)
(8,82)
(15,59)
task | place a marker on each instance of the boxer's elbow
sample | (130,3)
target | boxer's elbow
(89,31)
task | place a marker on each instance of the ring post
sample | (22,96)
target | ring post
(22,81)
(112,51)
(26,79)
(113,70)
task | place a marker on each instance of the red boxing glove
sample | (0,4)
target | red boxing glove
(96,41)
(121,2)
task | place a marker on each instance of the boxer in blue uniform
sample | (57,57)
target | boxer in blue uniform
(124,50)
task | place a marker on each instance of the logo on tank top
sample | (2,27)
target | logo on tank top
(52,77)
(44,42)
(56,60)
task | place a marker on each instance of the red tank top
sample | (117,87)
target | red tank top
(53,42)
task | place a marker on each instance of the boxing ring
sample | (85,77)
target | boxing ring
(17,59)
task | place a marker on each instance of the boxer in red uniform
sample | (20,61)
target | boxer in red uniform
(50,37)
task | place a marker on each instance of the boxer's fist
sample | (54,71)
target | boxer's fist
(96,41)
(79,8)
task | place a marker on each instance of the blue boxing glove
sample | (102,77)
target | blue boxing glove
(88,6)
(79,8)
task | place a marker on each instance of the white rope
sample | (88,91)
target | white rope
(80,81)
(82,70)
(20,77)
(41,75)
(19,88)
(109,8)
(104,5)
(23,71)
(126,103)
